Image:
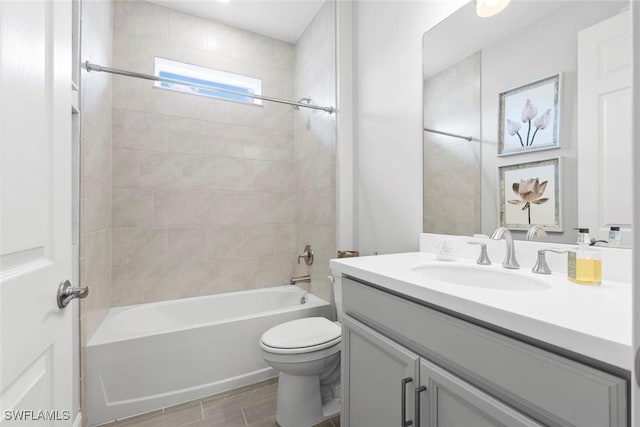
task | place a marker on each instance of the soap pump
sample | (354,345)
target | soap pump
(584,265)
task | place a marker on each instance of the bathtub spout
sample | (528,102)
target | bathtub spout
(300,279)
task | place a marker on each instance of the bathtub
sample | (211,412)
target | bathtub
(149,356)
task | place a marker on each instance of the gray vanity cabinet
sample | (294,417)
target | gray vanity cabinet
(449,401)
(459,374)
(382,378)
(387,380)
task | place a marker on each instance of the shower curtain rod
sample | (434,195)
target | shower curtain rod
(454,135)
(95,67)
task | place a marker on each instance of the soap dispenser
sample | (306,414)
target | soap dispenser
(584,265)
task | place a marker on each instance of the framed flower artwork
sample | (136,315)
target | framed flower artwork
(529,193)
(529,117)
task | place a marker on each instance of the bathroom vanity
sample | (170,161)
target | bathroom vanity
(420,352)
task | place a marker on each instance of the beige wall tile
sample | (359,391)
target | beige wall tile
(117,127)
(282,147)
(226,140)
(246,115)
(235,274)
(187,245)
(274,176)
(284,238)
(199,173)
(95,206)
(159,282)
(207,209)
(145,19)
(116,247)
(187,30)
(211,110)
(277,208)
(235,209)
(159,170)
(188,136)
(258,240)
(132,208)
(124,169)
(172,103)
(151,47)
(272,271)
(199,279)
(144,131)
(314,172)
(204,189)
(175,208)
(234,174)
(278,116)
(143,246)
(316,207)
(224,242)
(95,157)
(125,286)
(224,40)
(132,94)
(315,147)
(207,59)
(283,54)
(97,255)
(257,48)
(256,143)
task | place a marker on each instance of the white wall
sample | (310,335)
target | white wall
(387,44)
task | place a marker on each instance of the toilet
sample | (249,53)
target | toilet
(306,353)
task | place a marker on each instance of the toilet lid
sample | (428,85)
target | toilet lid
(312,333)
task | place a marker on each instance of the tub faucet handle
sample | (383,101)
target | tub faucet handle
(307,255)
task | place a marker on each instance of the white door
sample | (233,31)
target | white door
(604,127)
(35,212)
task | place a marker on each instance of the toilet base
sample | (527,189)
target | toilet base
(300,402)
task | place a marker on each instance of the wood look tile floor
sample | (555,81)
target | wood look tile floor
(252,406)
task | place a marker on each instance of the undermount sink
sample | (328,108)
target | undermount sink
(478,277)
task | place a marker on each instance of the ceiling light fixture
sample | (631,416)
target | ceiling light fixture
(487,8)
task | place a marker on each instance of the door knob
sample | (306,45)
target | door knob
(66,293)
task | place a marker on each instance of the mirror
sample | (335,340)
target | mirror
(527,120)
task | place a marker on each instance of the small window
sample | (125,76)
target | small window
(209,78)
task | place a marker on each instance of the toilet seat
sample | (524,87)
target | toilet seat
(301,336)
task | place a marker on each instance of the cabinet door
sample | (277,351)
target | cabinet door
(448,401)
(372,378)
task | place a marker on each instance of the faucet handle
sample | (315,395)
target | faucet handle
(307,255)
(541,266)
(483,258)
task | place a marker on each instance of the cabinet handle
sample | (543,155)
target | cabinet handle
(403,415)
(417,405)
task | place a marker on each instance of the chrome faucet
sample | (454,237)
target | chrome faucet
(510,260)
(535,231)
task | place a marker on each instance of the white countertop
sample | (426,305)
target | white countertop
(591,320)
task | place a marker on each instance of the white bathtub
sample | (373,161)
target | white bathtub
(149,356)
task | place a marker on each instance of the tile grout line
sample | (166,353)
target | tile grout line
(244,417)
